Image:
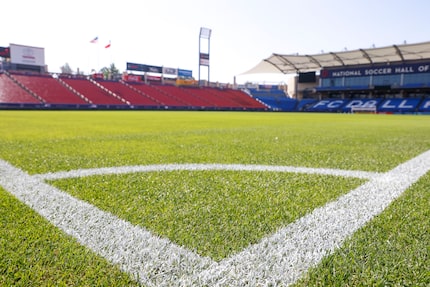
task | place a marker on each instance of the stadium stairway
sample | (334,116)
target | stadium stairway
(152,101)
(159,95)
(242,99)
(13,92)
(50,90)
(70,88)
(274,99)
(94,92)
(131,95)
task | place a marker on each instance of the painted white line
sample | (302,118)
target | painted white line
(202,166)
(279,259)
(284,257)
(152,260)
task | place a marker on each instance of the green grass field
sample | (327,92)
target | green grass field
(213,213)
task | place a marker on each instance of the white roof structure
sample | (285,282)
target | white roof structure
(291,64)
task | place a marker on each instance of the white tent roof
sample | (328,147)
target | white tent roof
(289,64)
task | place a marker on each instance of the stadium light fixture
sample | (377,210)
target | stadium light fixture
(205,33)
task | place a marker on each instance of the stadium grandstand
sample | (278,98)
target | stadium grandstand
(393,79)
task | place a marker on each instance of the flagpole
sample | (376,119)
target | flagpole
(95,41)
(108,46)
(98,59)
(110,53)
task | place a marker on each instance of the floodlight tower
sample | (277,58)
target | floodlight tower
(205,34)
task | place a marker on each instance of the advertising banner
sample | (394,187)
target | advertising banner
(144,68)
(132,78)
(154,69)
(185,73)
(204,59)
(135,67)
(27,55)
(170,71)
(159,70)
(186,82)
(4,52)
(377,70)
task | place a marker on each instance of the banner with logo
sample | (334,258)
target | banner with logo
(170,71)
(376,70)
(204,59)
(5,52)
(185,73)
(144,68)
(27,55)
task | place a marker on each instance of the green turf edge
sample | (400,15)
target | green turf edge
(40,142)
(391,250)
(35,253)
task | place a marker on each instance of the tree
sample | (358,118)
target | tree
(110,72)
(65,69)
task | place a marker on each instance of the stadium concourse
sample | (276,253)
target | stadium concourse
(393,79)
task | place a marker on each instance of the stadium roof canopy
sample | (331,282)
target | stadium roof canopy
(289,64)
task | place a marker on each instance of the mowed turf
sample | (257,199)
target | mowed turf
(240,207)
(216,213)
(392,250)
(35,253)
(42,142)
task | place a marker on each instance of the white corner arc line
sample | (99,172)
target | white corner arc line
(134,249)
(279,259)
(290,252)
(201,167)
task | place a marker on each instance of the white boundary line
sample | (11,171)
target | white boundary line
(137,251)
(279,259)
(203,166)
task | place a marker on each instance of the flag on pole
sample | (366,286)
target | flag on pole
(108,45)
(94,40)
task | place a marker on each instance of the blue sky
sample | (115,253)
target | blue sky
(166,32)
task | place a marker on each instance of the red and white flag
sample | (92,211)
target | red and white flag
(108,45)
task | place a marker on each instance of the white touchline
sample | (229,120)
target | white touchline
(279,259)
